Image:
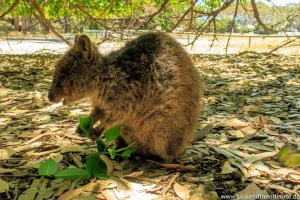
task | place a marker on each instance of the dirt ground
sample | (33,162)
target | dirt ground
(252,104)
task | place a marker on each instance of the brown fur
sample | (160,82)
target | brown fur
(150,86)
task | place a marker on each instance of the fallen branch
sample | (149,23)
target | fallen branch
(284,44)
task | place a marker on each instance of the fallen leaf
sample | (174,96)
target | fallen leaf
(250,192)
(181,191)
(227,168)
(134,174)
(6,153)
(275,120)
(204,131)
(4,186)
(235,123)
(4,170)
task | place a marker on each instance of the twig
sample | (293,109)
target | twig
(191,20)
(211,15)
(38,137)
(154,190)
(165,191)
(232,26)
(215,27)
(89,15)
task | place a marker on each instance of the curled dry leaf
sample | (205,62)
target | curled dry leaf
(109,164)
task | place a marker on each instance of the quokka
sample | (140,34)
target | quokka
(150,87)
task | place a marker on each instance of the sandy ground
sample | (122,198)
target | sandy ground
(203,45)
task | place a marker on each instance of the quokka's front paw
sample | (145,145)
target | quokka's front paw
(91,133)
(96,132)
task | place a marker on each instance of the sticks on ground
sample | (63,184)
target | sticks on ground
(166,190)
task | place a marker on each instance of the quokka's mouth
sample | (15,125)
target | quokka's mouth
(64,101)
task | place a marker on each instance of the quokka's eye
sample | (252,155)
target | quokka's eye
(61,78)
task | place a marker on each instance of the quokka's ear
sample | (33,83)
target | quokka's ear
(84,45)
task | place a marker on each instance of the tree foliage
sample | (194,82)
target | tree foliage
(197,16)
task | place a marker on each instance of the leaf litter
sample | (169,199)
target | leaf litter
(251,111)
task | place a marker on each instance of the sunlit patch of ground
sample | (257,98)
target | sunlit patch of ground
(252,109)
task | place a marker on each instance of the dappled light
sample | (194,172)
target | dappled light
(149,100)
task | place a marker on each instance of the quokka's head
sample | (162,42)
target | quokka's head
(70,71)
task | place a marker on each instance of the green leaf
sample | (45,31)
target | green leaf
(128,147)
(48,168)
(96,166)
(73,174)
(112,133)
(112,152)
(100,145)
(85,124)
(293,160)
(126,154)
(285,152)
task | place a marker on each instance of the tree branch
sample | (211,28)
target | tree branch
(213,15)
(46,22)
(183,16)
(10,9)
(158,11)
(232,27)
(259,21)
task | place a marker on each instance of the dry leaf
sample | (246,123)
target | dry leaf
(227,168)
(4,186)
(235,123)
(4,170)
(134,174)
(6,153)
(109,163)
(275,120)
(250,192)
(181,191)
